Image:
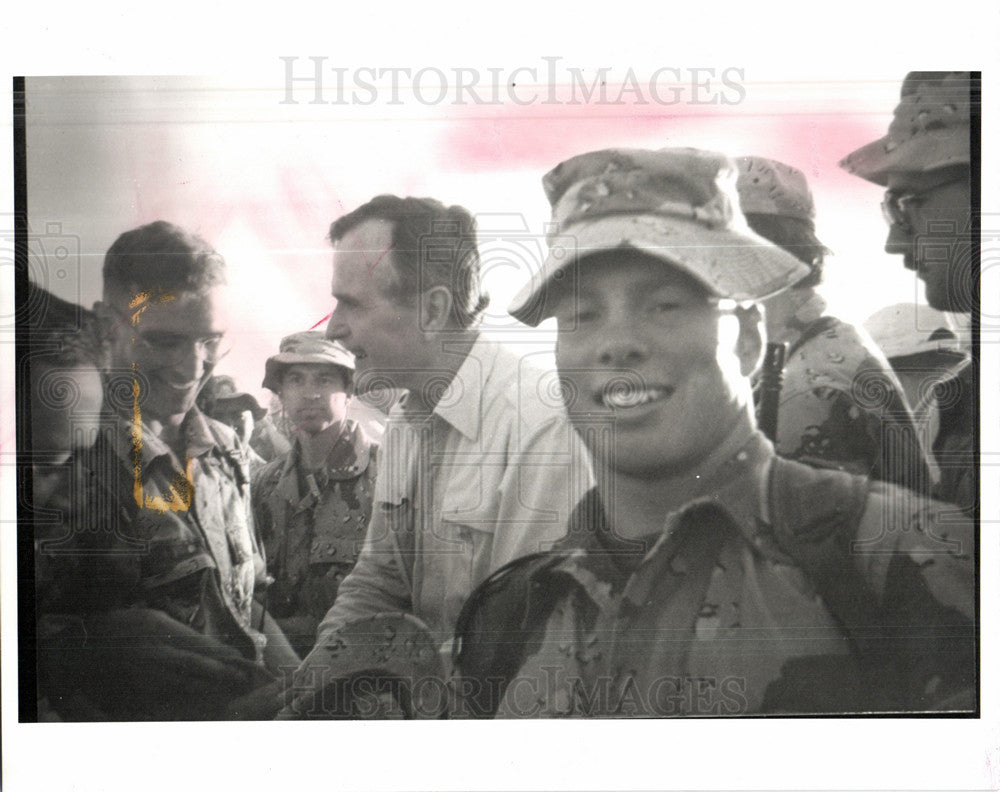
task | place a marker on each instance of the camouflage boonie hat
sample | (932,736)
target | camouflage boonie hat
(673,204)
(930,129)
(766,186)
(769,187)
(309,347)
(906,329)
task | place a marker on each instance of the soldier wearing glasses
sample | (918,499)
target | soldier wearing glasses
(152,616)
(925,163)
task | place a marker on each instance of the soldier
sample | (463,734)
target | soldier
(478,464)
(222,400)
(312,504)
(703,574)
(925,162)
(152,615)
(841,405)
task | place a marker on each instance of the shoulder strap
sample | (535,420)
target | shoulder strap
(814,515)
(914,650)
(812,330)
(494,629)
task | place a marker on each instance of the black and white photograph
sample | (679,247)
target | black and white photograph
(650,387)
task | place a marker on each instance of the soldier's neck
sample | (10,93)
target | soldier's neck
(317,447)
(637,505)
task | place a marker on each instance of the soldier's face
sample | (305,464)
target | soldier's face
(380,329)
(314,396)
(645,353)
(170,343)
(929,227)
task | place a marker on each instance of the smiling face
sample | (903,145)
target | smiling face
(314,396)
(378,326)
(930,230)
(172,343)
(643,346)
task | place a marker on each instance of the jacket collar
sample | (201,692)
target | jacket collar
(738,486)
(348,459)
(130,439)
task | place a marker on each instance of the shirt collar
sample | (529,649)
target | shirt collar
(126,436)
(462,406)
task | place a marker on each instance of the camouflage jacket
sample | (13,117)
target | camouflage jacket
(142,532)
(841,406)
(955,444)
(312,526)
(834,595)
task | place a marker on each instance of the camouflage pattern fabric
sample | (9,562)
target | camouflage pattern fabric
(312,526)
(955,444)
(843,407)
(155,568)
(714,616)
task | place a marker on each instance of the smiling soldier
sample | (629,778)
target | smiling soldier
(703,574)
(152,613)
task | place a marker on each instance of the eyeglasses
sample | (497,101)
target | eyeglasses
(897,205)
(172,347)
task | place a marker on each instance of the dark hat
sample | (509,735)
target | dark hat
(674,204)
(930,129)
(221,393)
(311,347)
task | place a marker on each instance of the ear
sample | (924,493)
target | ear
(435,308)
(750,343)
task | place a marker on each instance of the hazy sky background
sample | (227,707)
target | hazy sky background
(262,179)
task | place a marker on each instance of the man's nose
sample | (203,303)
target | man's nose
(622,343)
(336,330)
(193,360)
(899,240)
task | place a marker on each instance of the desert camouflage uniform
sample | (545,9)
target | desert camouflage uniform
(842,406)
(147,610)
(312,526)
(714,617)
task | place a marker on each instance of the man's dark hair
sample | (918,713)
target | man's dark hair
(432,245)
(160,256)
(798,237)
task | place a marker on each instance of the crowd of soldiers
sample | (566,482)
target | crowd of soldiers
(725,500)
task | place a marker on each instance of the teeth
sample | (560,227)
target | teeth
(625,398)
